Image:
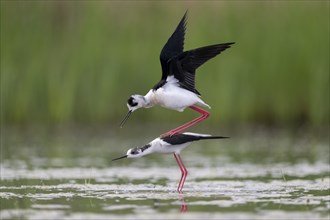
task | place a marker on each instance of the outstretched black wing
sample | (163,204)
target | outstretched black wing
(173,46)
(185,64)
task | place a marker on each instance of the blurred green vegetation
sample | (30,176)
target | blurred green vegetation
(78,61)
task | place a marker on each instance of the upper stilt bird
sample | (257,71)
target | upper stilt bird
(169,144)
(176,89)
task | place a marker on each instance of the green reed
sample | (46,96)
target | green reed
(78,61)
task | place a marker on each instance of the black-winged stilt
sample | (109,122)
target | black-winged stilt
(169,144)
(176,89)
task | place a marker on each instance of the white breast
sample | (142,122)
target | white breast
(172,96)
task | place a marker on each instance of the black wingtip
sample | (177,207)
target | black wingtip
(221,46)
(183,22)
(213,137)
(175,43)
(185,16)
(231,43)
(226,45)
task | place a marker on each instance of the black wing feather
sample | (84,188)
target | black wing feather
(184,138)
(173,46)
(193,59)
(185,64)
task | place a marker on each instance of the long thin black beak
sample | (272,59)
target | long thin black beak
(125,119)
(120,158)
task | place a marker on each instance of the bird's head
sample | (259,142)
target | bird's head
(134,102)
(136,152)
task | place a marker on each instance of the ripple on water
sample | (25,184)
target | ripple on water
(234,191)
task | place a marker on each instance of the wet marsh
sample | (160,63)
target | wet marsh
(225,180)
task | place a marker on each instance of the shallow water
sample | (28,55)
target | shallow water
(70,176)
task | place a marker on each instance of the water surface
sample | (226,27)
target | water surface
(69,175)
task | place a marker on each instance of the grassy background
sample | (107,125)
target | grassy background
(65,62)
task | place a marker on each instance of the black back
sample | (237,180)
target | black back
(184,138)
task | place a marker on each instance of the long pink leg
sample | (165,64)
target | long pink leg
(180,166)
(204,115)
(184,172)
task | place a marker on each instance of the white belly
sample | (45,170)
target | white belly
(173,97)
(176,99)
(162,147)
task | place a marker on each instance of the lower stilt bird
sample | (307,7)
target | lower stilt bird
(170,144)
